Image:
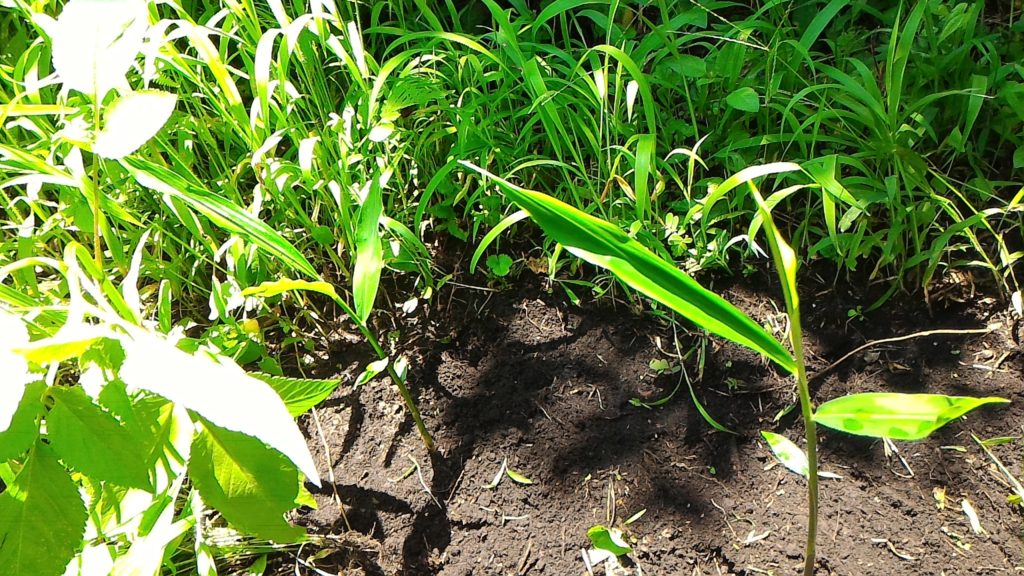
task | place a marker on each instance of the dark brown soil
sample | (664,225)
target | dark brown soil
(524,377)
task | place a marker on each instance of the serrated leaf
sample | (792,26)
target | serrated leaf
(70,342)
(220,391)
(24,425)
(608,539)
(896,416)
(93,442)
(250,484)
(42,517)
(95,42)
(131,121)
(299,394)
(744,99)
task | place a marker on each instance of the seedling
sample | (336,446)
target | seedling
(513,475)
(902,416)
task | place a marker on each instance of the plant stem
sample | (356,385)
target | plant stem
(410,402)
(796,335)
(96,211)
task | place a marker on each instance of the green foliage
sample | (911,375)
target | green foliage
(250,486)
(604,245)
(896,416)
(93,442)
(41,516)
(207,154)
(608,539)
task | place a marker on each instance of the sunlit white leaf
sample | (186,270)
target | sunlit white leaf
(790,455)
(95,42)
(131,121)
(14,373)
(631,90)
(218,390)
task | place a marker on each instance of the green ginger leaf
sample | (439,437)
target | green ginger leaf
(42,517)
(609,539)
(896,416)
(369,253)
(250,484)
(605,245)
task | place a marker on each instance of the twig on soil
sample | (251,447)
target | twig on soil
(1014,483)
(330,468)
(873,343)
(522,568)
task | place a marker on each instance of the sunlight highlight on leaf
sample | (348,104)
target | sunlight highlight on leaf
(95,42)
(131,121)
(218,390)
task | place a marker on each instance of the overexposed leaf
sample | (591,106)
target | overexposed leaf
(95,42)
(631,89)
(218,390)
(791,456)
(14,372)
(972,516)
(787,452)
(131,121)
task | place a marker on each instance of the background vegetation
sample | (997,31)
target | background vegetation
(321,142)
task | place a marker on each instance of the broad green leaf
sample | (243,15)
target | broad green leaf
(220,391)
(24,425)
(250,484)
(788,453)
(744,99)
(645,163)
(131,121)
(42,517)
(14,372)
(299,394)
(93,442)
(369,253)
(604,245)
(896,416)
(688,66)
(95,42)
(609,539)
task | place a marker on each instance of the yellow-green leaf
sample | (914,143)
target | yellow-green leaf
(896,416)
